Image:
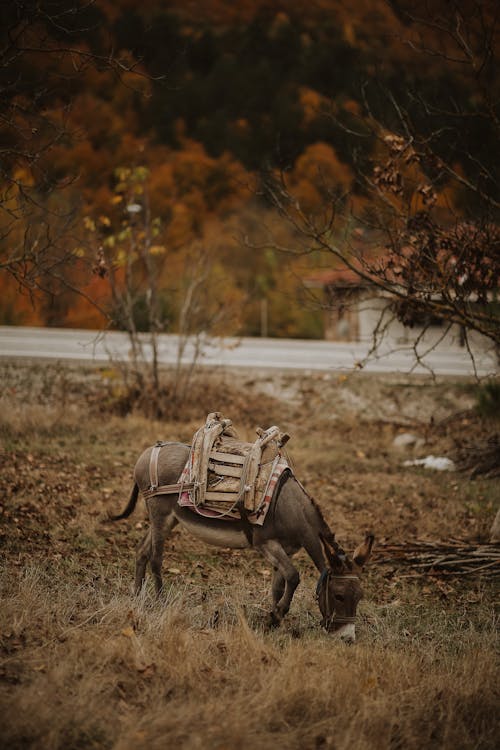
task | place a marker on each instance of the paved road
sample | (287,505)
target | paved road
(92,347)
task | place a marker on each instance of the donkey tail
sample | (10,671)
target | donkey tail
(130,505)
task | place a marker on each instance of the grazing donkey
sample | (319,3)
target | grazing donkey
(293,521)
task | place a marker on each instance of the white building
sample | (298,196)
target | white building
(356,311)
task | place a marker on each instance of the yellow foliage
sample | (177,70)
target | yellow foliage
(123,174)
(89,223)
(122,257)
(24,176)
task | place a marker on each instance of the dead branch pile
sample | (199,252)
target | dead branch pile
(453,557)
(480,459)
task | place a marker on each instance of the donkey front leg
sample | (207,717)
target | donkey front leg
(285,579)
(277,587)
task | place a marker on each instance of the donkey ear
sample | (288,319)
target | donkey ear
(363,551)
(336,562)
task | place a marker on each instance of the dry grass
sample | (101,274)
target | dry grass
(85,665)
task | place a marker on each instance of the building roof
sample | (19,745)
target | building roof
(339,277)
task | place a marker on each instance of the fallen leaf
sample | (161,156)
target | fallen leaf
(147,671)
(370,683)
(128,632)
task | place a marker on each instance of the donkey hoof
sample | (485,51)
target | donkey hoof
(273,620)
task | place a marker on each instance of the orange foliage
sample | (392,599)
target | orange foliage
(198,197)
(17,306)
(312,103)
(187,187)
(319,173)
(84,314)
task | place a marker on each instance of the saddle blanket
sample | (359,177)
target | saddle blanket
(231,512)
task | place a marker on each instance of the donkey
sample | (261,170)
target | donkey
(294,521)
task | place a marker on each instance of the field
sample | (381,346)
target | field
(84,664)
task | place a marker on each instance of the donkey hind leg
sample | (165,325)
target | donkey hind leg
(150,550)
(285,573)
(159,533)
(142,557)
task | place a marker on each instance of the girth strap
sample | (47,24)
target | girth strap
(245,521)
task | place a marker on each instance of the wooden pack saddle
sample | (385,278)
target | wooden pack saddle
(226,472)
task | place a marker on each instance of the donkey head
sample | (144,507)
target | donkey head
(339,589)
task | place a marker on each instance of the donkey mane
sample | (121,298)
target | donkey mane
(326,533)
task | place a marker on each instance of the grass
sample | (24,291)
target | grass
(84,664)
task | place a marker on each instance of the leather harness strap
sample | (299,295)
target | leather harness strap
(153,465)
(168,489)
(161,489)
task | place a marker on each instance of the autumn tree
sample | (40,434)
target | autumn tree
(48,48)
(427,201)
(151,285)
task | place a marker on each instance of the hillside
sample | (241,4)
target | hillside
(210,99)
